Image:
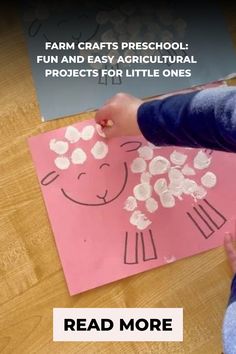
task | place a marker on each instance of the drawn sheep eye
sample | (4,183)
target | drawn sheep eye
(82,173)
(104,164)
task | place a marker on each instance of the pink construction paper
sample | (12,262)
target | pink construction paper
(96,241)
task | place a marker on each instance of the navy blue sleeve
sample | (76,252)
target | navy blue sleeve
(229,324)
(205,118)
(232,297)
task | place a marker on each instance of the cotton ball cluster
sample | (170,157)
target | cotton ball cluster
(176,183)
(78,155)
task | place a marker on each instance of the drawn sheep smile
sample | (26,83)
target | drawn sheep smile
(102,196)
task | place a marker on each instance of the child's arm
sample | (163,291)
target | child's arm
(229,326)
(198,119)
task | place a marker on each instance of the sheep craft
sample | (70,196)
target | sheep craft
(123,206)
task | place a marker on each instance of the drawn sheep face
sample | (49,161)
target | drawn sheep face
(104,191)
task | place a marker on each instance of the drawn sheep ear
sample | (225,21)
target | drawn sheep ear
(131,145)
(49,178)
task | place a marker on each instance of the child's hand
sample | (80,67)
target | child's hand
(230,249)
(118,116)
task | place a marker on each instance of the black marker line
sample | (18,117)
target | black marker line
(153,247)
(81,174)
(37,30)
(104,164)
(217,212)
(198,227)
(203,219)
(132,142)
(126,247)
(208,216)
(52,180)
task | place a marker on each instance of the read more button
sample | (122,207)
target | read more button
(118,324)
(106,324)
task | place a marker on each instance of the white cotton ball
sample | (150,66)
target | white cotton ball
(87,132)
(201,160)
(102,17)
(167,199)
(60,147)
(134,217)
(72,134)
(142,191)
(62,162)
(178,158)
(100,131)
(160,186)
(188,171)
(130,204)
(78,156)
(138,165)
(143,223)
(159,165)
(209,180)
(175,175)
(139,219)
(145,152)
(145,177)
(199,193)
(99,150)
(176,188)
(151,205)
(189,186)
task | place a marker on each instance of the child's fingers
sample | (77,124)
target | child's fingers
(230,250)
(110,131)
(103,114)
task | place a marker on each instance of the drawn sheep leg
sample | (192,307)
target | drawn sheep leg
(148,246)
(206,218)
(132,246)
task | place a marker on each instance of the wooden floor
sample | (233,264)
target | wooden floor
(31,277)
